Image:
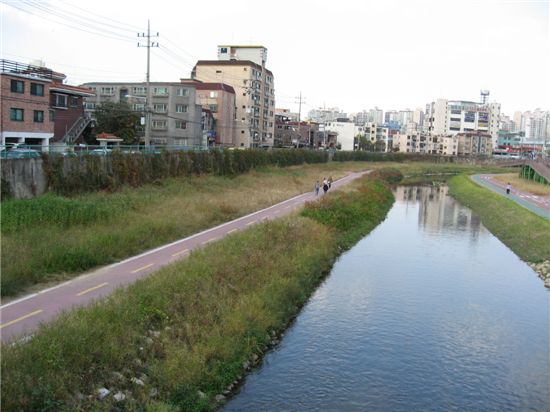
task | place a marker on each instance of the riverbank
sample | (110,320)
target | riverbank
(53,238)
(527,234)
(182,337)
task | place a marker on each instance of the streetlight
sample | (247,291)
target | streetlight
(146,118)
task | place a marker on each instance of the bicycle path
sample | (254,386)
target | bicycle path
(22,316)
(536,204)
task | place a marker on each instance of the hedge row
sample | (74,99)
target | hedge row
(73,175)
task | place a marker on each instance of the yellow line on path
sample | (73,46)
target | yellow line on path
(250,223)
(288,207)
(210,240)
(92,289)
(142,268)
(28,315)
(232,231)
(181,252)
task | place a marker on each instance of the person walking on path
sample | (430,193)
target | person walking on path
(508,187)
(330,182)
(317,187)
(325,185)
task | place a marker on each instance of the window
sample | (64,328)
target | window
(213,108)
(38,116)
(223,50)
(139,107)
(139,90)
(18,86)
(17,115)
(159,124)
(181,108)
(74,101)
(180,124)
(89,106)
(213,95)
(159,108)
(59,100)
(52,115)
(37,89)
(107,91)
(182,92)
(160,91)
(218,71)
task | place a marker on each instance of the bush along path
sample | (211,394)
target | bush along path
(183,339)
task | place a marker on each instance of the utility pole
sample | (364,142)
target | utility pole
(148,98)
(300,114)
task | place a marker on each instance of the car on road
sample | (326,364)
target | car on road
(100,152)
(19,153)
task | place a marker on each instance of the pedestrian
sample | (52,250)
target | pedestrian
(325,185)
(317,187)
(330,182)
(508,187)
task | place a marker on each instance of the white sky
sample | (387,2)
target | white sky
(353,54)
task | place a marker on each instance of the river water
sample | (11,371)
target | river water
(429,312)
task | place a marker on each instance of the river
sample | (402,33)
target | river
(429,312)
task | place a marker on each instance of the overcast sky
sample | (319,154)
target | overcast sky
(349,53)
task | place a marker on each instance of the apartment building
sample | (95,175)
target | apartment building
(219,99)
(175,117)
(450,117)
(475,144)
(37,107)
(243,68)
(325,115)
(25,104)
(424,143)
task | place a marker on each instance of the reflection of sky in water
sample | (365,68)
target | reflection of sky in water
(429,312)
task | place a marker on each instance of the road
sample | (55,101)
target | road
(536,204)
(22,316)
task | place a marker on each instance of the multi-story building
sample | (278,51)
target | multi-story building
(37,108)
(325,115)
(475,144)
(243,68)
(376,115)
(219,99)
(25,104)
(347,131)
(175,117)
(450,117)
(424,143)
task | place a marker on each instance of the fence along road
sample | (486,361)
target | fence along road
(22,316)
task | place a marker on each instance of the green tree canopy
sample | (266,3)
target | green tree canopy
(118,119)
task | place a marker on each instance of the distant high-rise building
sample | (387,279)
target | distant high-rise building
(376,115)
(450,117)
(324,115)
(418,117)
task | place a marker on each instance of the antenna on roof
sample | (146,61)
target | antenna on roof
(484,96)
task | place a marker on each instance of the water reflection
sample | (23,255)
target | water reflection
(429,312)
(437,211)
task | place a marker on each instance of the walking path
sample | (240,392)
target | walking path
(23,315)
(536,204)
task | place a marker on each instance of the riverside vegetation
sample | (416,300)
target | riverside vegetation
(178,339)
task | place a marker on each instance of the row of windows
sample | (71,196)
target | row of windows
(163,124)
(18,86)
(140,90)
(162,108)
(18,115)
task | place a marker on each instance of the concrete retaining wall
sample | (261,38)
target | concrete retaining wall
(25,177)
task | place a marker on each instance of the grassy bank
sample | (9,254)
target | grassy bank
(190,330)
(426,172)
(527,234)
(51,238)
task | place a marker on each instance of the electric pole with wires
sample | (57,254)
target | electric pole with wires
(148,98)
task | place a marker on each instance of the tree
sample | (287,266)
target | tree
(118,119)
(363,143)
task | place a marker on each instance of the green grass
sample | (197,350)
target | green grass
(190,326)
(527,234)
(52,237)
